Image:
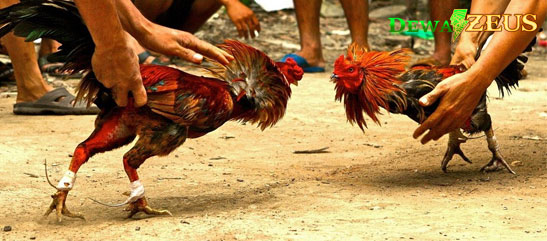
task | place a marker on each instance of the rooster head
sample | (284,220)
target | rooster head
(364,79)
(347,75)
(290,69)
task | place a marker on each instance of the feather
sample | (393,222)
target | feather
(61,21)
(377,76)
(257,78)
(186,99)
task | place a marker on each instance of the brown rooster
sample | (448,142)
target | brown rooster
(251,88)
(368,80)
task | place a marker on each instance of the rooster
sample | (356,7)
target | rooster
(251,88)
(368,80)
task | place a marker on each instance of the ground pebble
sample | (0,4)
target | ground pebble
(7,228)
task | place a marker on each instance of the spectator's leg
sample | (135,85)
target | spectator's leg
(307,16)
(30,84)
(48,46)
(357,16)
(441,10)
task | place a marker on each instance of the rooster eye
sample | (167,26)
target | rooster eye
(350,70)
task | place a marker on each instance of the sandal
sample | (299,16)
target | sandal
(303,63)
(144,56)
(54,69)
(56,102)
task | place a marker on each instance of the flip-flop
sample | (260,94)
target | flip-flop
(303,63)
(56,102)
(54,69)
(157,61)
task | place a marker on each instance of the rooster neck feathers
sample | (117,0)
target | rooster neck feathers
(255,80)
(372,85)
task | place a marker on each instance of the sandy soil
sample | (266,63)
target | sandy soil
(239,183)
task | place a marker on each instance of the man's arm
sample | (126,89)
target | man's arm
(460,93)
(115,64)
(469,42)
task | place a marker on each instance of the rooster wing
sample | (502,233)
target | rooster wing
(186,99)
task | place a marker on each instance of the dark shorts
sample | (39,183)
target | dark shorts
(176,15)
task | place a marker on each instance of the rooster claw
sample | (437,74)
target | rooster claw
(495,164)
(455,139)
(58,205)
(141,205)
(450,153)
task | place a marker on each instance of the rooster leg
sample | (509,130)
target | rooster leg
(59,206)
(454,140)
(137,201)
(497,159)
(108,134)
(153,141)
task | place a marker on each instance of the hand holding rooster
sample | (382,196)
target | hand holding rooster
(461,92)
(107,21)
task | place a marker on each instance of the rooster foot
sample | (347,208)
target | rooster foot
(455,139)
(497,159)
(496,163)
(141,205)
(58,204)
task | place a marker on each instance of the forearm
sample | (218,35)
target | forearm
(102,21)
(505,46)
(132,20)
(484,7)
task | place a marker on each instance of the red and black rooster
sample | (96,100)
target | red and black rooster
(368,80)
(252,88)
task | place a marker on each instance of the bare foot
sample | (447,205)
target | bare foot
(314,59)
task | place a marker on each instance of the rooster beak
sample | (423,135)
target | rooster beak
(334,77)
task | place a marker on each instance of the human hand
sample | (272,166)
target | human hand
(459,95)
(117,68)
(465,54)
(243,18)
(182,44)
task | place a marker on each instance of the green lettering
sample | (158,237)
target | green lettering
(429,25)
(412,26)
(402,25)
(446,25)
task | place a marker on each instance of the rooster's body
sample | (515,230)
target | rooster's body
(368,81)
(251,88)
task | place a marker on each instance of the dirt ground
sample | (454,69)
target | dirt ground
(239,183)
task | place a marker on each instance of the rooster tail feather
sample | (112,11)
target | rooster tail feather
(510,76)
(61,21)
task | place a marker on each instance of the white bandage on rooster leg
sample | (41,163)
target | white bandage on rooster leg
(137,192)
(67,182)
(492,141)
